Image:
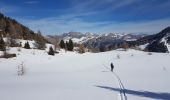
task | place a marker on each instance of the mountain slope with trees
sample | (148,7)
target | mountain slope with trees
(157,42)
(11,28)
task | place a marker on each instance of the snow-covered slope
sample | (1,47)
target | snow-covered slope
(157,42)
(78,37)
(31,43)
(78,40)
(142,47)
(72,76)
(168,46)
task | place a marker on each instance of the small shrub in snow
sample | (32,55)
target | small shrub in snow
(149,53)
(118,56)
(81,49)
(131,55)
(27,45)
(33,52)
(125,46)
(51,51)
(20,69)
(19,49)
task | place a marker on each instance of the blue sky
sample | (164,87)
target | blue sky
(96,16)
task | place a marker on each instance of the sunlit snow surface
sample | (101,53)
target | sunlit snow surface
(73,76)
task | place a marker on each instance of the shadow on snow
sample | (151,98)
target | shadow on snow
(148,94)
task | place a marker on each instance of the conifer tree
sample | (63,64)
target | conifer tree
(2,44)
(51,51)
(62,44)
(67,45)
(27,45)
(71,46)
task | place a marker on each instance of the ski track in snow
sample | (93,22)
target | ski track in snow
(121,86)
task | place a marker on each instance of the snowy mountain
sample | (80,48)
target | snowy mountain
(79,37)
(96,41)
(73,35)
(158,42)
(104,42)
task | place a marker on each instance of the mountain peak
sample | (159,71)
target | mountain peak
(73,35)
(166,30)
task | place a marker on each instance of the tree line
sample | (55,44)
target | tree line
(68,45)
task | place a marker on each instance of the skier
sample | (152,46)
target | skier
(112,66)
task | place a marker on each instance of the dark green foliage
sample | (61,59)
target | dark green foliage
(70,45)
(66,45)
(27,46)
(51,51)
(2,44)
(62,44)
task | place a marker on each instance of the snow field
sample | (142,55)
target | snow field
(72,76)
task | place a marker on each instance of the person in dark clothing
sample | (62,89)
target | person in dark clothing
(112,66)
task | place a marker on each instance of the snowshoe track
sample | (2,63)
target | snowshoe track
(121,86)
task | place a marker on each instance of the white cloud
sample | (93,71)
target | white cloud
(58,25)
(71,19)
(150,27)
(31,2)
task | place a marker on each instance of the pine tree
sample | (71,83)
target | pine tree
(67,45)
(2,44)
(27,46)
(51,51)
(62,44)
(71,46)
